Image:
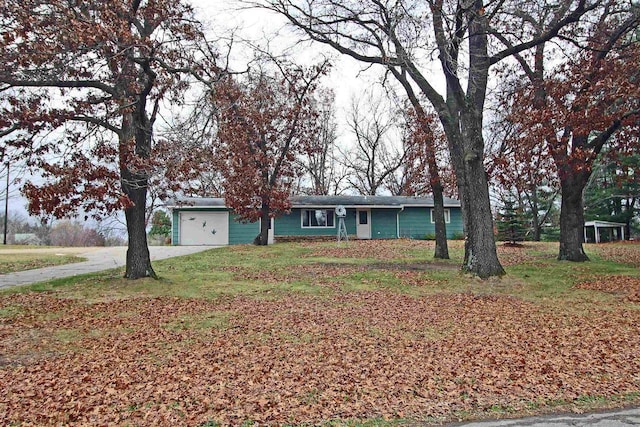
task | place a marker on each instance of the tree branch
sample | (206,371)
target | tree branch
(87,84)
(552,32)
(9,131)
(98,122)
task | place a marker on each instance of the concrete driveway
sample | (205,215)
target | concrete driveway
(98,259)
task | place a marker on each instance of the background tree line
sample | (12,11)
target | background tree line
(22,230)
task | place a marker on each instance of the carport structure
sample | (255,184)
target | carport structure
(603,231)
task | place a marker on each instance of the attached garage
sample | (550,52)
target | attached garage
(208,222)
(204,228)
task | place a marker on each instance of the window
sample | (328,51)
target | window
(363,217)
(318,218)
(447,216)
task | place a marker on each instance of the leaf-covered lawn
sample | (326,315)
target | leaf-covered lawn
(628,287)
(626,252)
(317,338)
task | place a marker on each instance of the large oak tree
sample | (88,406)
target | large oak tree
(467,38)
(95,71)
(590,99)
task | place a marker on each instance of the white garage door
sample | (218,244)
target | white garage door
(204,228)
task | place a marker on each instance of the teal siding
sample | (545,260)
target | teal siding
(415,223)
(455,228)
(175,228)
(291,225)
(242,233)
(384,223)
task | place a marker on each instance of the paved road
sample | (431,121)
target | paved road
(622,418)
(98,259)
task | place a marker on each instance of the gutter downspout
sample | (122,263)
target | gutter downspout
(398,221)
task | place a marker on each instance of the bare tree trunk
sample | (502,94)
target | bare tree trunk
(572,218)
(480,255)
(630,203)
(535,217)
(262,239)
(137,130)
(138,259)
(537,232)
(442,248)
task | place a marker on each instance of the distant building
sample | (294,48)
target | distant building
(26,239)
(603,231)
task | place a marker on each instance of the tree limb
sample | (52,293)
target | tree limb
(87,84)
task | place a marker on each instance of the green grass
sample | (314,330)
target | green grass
(14,262)
(555,279)
(272,271)
(326,270)
(10,311)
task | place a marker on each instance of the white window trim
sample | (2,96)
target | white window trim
(447,216)
(302,215)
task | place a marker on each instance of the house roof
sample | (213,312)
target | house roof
(603,224)
(369,201)
(325,201)
(197,202)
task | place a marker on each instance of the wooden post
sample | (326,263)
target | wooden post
(6,208)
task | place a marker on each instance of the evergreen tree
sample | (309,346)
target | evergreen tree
(613,190)
(510,223)
(160,224)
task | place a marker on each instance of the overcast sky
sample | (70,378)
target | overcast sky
(348,78)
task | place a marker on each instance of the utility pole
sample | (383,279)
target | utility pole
(6,207)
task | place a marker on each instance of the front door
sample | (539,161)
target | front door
(363,223)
